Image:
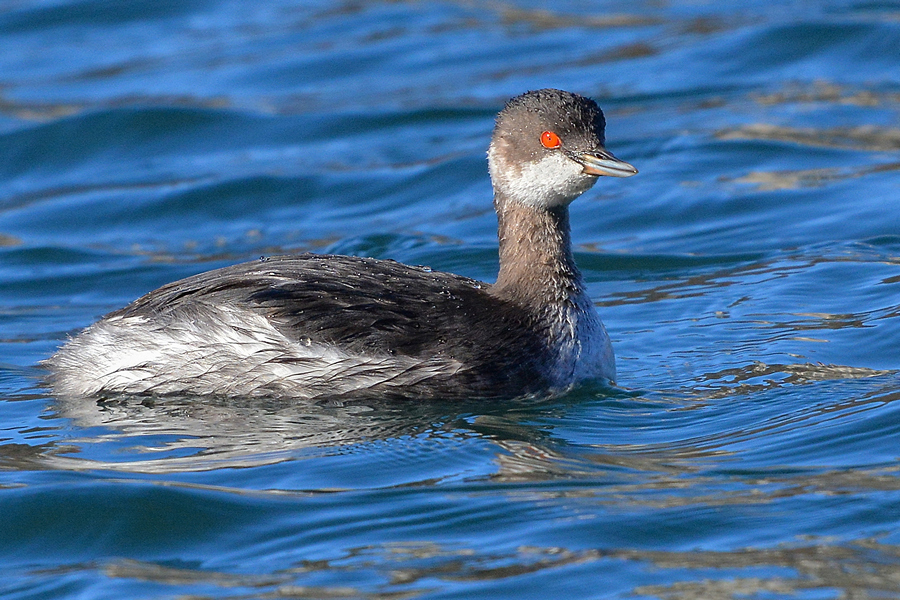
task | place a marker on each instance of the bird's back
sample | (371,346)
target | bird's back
(311,326)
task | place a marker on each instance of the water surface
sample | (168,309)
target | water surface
(749,277)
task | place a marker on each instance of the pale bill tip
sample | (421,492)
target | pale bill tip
(604,163)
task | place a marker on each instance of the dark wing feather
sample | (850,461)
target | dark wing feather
(375,307)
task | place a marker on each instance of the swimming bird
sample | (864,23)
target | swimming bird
(327,327)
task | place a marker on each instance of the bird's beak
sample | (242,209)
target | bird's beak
(601,162)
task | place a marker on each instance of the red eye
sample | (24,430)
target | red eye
(550,140)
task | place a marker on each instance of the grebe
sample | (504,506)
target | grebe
(320,326)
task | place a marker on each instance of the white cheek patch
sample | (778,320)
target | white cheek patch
(555,180)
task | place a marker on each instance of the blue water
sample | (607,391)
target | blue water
(749,277)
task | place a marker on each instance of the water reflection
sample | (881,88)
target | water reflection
(862,568)
(540,19)
(790,180)
(738,270)
(864,137)
(865,568)
(230,585)
(191,434)
(826,92)
(618,466)
(183,434)
(634,442)
(758,377)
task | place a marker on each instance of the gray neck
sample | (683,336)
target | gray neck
(536,263)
